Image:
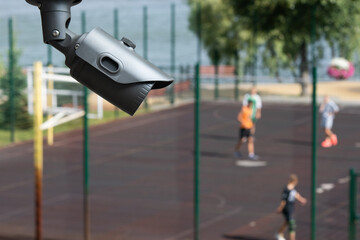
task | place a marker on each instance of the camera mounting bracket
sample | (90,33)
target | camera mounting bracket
(55,17)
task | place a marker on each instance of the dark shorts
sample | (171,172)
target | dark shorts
(288,215)
(244,133)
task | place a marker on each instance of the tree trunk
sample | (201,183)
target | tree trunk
(304,71)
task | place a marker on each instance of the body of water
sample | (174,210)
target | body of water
(28,31)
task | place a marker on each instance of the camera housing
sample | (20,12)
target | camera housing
(107,66)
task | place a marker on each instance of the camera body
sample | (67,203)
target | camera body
(109,67)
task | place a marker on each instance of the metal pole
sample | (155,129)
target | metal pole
(86,151)
(197,154)
(145,42)
(216,92)
(197,132)
(49,55)
(352,205)
(11,81)
(199,30)
(172,52)
(50,131)
(236,93)
(38,149)
(254,65)
(116,36)
(314,131)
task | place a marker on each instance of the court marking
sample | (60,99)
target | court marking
(324,187)
(250,163)
(206,224)
(221,199)
(343,180)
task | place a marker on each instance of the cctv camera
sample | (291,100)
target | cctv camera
(107,66)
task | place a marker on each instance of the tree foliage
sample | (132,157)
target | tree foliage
(22,118)
(282,27)
(221,32)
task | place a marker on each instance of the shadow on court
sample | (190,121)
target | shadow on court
(236,237)
(21,238)
(216,155)
(219,137)
(294,142)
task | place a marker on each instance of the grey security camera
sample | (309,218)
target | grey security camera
(107,66)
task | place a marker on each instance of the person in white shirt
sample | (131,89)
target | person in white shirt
(328,109)
(256,99)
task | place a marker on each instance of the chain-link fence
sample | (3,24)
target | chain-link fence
(182,168)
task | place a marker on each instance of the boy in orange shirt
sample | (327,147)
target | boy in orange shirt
(246,124)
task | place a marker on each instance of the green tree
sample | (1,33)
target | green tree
(284,29)
(22,118)
(222,34)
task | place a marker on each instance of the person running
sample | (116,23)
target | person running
(256,114)
(246,124)
(328,109)
(287,207)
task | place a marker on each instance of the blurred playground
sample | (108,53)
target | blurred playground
(169,172)
(141,177)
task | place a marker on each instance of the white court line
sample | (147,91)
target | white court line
(222,200)
(324,187)
(252,224)
(344,180)
(205,224)
(327,186)
(251,163)
(319,191)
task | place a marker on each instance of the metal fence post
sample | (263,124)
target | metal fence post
(254,48)
(314,131)
(145,42)
(197,131)
(216,82)
(50,131)
(11,80)
(172,52)
(352,205)
(38,149)
(197,154)
(236,72)
(85,151)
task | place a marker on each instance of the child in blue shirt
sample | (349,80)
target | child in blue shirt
(328,109)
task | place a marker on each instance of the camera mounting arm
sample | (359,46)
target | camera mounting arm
(55,17)
(107,66)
